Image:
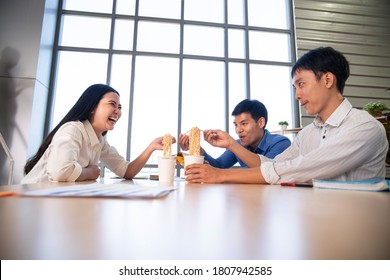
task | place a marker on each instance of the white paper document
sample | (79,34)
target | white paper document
(104,190)
(357,185)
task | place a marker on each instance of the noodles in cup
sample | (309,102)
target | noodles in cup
(167,144)
(194,147)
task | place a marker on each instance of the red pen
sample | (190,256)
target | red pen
(288,184)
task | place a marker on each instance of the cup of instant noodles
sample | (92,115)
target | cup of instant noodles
(188,160)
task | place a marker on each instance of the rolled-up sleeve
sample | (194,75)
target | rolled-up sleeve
(63,155)
(268,171)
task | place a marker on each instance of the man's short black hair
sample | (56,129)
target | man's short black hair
(253,107)
(323,60)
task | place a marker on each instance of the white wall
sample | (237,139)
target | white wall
(361,30)
(26,40)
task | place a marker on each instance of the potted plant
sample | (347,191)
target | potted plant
(375,108)
(283,125)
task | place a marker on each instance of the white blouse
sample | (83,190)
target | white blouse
(74,146)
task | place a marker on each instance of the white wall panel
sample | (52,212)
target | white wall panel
(26,39)
(361,30)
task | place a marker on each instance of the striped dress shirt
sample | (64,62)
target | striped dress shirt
(350,145)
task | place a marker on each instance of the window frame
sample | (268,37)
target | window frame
(181,56)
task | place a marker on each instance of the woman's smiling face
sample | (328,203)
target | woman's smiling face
(106,113)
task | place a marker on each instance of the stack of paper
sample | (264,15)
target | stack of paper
(359,185)
(104,190)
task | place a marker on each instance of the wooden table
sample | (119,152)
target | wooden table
(199,221)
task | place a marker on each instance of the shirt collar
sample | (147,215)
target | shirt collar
(337,117)
(263,143)
(91,133)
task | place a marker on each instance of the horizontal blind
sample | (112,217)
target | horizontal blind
(360,29)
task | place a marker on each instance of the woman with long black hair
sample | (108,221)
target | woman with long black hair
(73,149)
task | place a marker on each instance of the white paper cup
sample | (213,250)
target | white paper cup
(166,168)
(193,159)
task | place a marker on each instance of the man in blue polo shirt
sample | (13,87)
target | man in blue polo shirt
(250,119)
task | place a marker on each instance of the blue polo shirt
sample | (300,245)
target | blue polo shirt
(270,146)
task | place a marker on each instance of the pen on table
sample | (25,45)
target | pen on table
(287,184)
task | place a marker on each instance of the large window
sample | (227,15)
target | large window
(176,63)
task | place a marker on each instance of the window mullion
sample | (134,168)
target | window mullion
(132,78)
(226,53)
(247,64)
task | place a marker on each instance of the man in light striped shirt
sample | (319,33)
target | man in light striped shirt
(342,143)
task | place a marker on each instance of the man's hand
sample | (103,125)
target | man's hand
(218,138)
(203,173)
(184,142)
